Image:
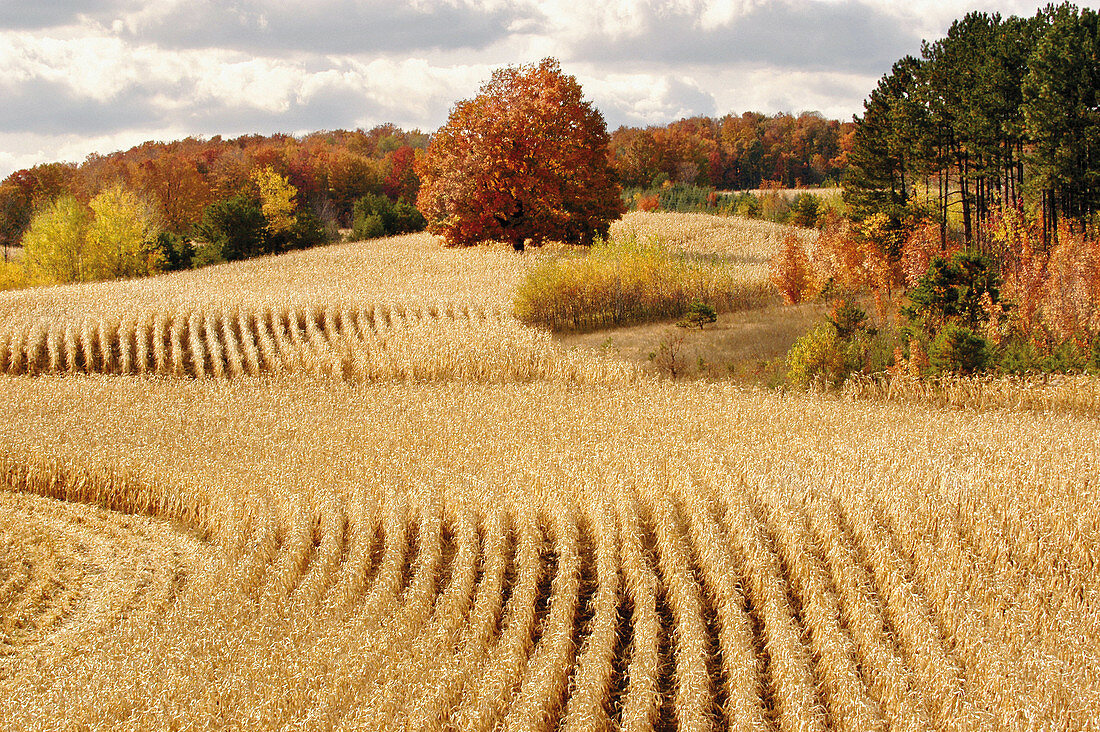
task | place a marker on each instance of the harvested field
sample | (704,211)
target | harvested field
(539,548)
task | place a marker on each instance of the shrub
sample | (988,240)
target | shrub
(820,354)
(308,230)
(748,205)
(375,215)
(958,290)
(620,282)
(957,349)
(848,318)
(231,229)
(805,210)
(13,276)
(407,218)
(176,252)
(791,271)
(698,315)
(368,226)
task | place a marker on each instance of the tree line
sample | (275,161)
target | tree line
(735,152)
(188,181)
(1001,113)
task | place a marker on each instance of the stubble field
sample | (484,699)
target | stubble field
(345,489)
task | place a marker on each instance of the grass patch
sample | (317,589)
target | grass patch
(625,281)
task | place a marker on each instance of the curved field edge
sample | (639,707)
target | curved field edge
(603,556)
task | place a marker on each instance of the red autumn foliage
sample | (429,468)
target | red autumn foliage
(734,151)
(401,181)
(526,160)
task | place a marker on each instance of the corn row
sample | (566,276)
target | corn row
(404,627)
(694,695)
(789,673)
(331,543)
(503,670)
(587,707)
(428,711)
(740,665)
(431,647)
(544,687)
(363,520)
(890,682)
(640,703)
(910,615)
(319,340)
(846,695)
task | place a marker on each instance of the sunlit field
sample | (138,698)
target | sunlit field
(346,489)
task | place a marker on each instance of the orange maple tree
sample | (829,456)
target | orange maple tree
(525,161)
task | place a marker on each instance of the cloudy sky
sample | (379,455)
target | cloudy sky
(82,76)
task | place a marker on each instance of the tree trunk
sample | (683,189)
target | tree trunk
(968,234)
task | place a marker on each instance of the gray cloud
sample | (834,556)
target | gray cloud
(340,26)
(846,36)
(40,14)
(329,108)
(47,107)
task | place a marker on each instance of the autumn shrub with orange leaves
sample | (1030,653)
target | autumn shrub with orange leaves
(791,272)
(1043,314)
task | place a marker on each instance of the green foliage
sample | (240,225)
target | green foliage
(619,282)
(367,226)
(176,251)
(823,355)
(998,110)
(1022,355)
(957,349)
(747,205)
(698,315)
(231,229)
(844,344)
(1060,101)
(308,230)
(955,290)
(685,197)
(805,210)
(848,318)
(375,215)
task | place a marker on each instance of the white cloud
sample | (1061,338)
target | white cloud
(98,75)
(645,99)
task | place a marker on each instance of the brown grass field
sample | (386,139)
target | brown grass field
(346,489)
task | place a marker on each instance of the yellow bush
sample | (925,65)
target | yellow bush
(13,276)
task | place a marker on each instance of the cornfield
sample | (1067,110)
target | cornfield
(267,548)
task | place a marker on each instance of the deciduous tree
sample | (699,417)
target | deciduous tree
(525,161)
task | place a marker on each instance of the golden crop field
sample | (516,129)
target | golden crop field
(323,534)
